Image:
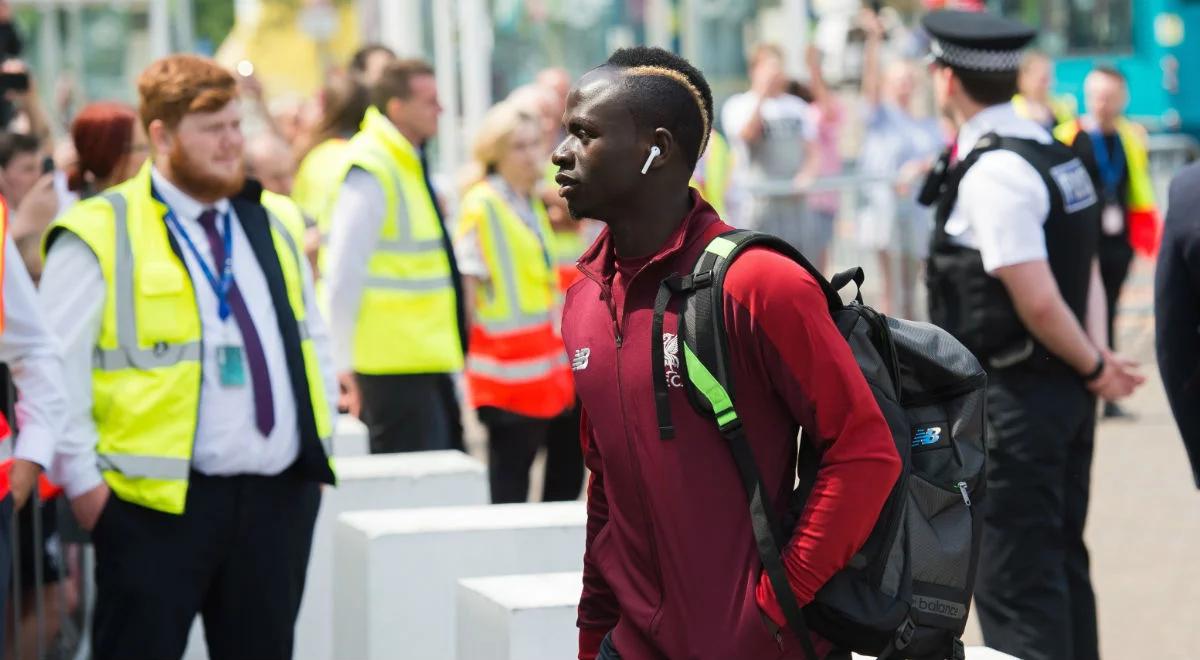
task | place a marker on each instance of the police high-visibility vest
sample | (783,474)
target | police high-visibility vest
(713,172)
(1141,216)
(146,369)
(408,317)
(516,360)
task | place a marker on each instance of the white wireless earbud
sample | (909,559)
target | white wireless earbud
(655,152)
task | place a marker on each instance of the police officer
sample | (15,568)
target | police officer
(1013,274)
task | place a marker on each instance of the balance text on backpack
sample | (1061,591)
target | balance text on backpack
(907,591)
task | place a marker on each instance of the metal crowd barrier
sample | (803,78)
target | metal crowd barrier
(845,248)
(72,641)
(1169,153)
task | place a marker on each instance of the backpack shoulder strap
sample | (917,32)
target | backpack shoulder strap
(703,344)
(707,374)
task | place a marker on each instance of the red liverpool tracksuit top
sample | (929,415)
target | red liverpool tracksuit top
(670,566)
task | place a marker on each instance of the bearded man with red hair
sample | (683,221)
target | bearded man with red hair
(199,425)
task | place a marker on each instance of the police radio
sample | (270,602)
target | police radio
(931,190)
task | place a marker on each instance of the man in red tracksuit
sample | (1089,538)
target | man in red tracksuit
(670,569)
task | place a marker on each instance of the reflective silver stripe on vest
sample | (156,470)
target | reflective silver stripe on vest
(405,243)
(327,446)
(514,371)
(517,319)
(282,229)
(128,355)
(435,283)
(146,467)
(278,226)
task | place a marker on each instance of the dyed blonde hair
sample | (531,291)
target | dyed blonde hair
(678,77)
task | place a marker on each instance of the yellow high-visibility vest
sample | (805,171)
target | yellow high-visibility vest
(408,317)
(316,184)
(146,372)
(717,168)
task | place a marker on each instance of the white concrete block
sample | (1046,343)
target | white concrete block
(366,483)
(518,617)
(396,572)
(350,437)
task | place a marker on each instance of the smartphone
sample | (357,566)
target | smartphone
(18,82)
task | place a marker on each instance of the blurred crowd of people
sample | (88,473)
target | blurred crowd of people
(423,279)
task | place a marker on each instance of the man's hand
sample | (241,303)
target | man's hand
(1119,378)
(87,507)
(350,400)
(22,480)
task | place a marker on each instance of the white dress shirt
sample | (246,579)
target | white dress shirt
(33,358)
(1002,200)
(357,219)
(227,440)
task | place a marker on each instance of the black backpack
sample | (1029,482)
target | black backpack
(907,591)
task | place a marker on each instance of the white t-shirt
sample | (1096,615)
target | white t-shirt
(789,125)
(1002,200)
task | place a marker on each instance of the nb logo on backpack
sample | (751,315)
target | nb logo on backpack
(926,436)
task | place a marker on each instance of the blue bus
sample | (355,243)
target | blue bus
(1155,43)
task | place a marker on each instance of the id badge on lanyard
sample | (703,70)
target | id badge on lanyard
(1112,170)
(231,361)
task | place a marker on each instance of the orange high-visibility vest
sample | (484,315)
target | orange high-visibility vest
(516,360)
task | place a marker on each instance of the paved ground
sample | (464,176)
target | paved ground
(1144,524)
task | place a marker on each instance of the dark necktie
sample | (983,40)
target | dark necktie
(260,380)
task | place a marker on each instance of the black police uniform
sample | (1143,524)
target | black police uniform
(1033,591)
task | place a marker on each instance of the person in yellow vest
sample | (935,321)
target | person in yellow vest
(1034,100)
(343,104)
(201,399)
(394,295)
(713,172)
(1114,149)
(517,375)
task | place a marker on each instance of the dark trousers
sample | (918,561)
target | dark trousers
(513,443)
(1116,257)
(237,556)
(6,560)
(410,412)
(1034,592)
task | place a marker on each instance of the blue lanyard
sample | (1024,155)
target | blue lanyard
(1112,166)
(220,287)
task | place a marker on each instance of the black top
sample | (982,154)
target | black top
(976,307)
(1177,309)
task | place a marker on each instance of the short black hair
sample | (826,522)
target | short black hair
(12,144)
(988,88)
(662,99)
(358,63)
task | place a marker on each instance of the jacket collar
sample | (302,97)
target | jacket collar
(599,262)
(381,129)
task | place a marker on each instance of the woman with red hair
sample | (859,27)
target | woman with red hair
(110,147)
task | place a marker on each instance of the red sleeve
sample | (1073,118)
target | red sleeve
(598,609)
(779,305)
